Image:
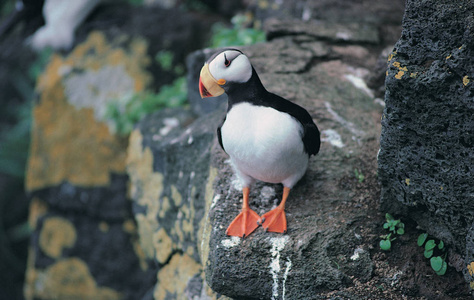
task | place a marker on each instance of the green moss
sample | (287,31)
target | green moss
(122,114)
(238,35)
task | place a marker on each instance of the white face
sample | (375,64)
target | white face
(232,66)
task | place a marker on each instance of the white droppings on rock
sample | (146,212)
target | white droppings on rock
(169,124)
(231,242)
(357,253)
(379,101)
(360,84)
(350,126)
(333,137)
(277,246)
(215,199)
(285,276)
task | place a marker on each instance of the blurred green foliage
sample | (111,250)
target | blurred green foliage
(165,59)
(238,35)
(6,7)
(15,141)
(15,138)
(135,2)
(122,114)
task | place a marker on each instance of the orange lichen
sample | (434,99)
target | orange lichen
(70,143)
(55,235)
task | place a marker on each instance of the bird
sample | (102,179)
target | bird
(267,137)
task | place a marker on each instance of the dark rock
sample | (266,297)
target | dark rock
(336,32)
(85,241)
(168,163)
(174,30)
(341,11)
(426,156)
(320,252)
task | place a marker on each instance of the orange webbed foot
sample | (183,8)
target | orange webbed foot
(275,220)
(244,224)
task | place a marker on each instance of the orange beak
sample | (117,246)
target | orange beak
(208,85)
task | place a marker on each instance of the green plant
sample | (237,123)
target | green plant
(165,58)
(122,114)
(238,35)
(358,174)
(435,252)
(395,227)
(38,66)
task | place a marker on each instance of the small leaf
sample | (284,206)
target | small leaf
(436,263)
(421,239)
(385,245)
(388,217)
(385,226)
(401,225)
(400,231)
(441,245)
(430,245)
(444,267)
(428,253)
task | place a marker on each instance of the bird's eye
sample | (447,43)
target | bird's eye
(226,61)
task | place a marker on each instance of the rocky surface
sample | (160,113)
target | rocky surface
(91,242)
(321,250)
(84,243)
(426,158)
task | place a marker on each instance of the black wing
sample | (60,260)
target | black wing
(219,135)
(311,136)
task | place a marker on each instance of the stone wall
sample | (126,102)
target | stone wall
(426,155)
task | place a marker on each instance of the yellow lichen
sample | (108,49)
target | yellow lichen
(146,188)
(407,181)
(470,268)
(70,279)
(163,245)
(129,226)
(401,70)
(145,231)
(399,75)
(205,226)
(465,80)
(55,235)
(37,209)
(173,277)
(70,144)
(263,4)
(104,227)
(391,56)
(176,196)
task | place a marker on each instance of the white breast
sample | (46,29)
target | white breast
(264,144)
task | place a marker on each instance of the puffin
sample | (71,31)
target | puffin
(267,138)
